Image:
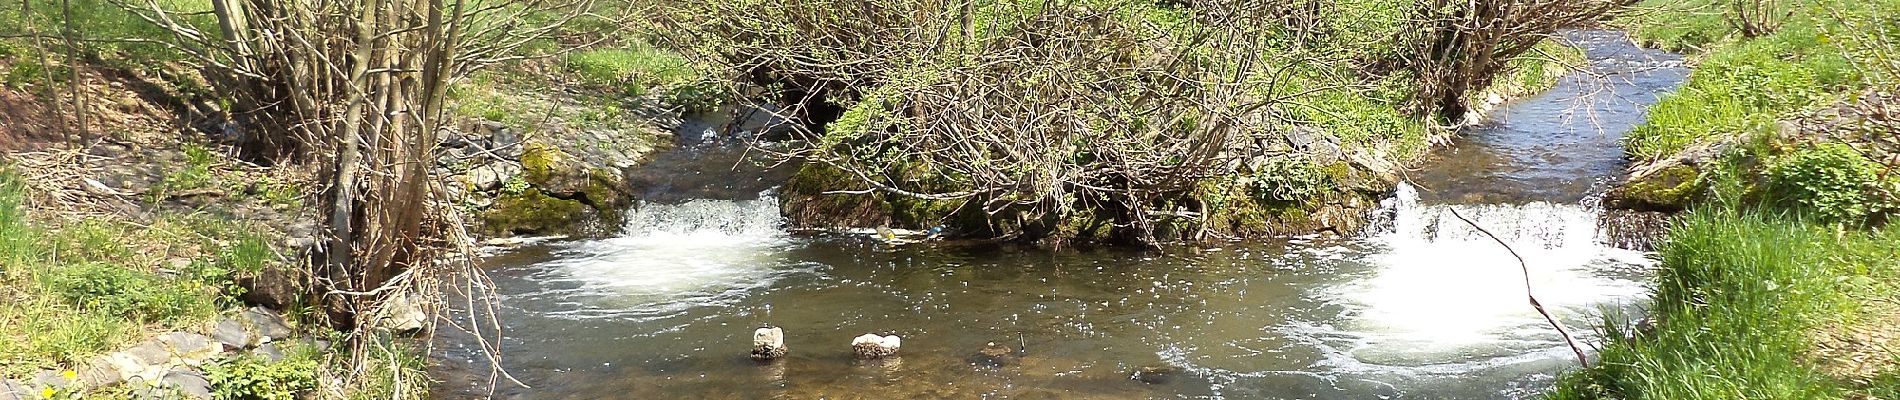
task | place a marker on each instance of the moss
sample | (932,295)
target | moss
(533,212)
(539,160)
(1673,188)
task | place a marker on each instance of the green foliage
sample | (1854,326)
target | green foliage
(1736,298)
(640,70)
(250,377)
(1744,86)
(1290,179)
(195,174)
(130,43)
(76,289)
(112,290)
(1832,180)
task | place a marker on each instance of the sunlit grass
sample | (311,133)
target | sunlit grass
(1738,296)
(75,290)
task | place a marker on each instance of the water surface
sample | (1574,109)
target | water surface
(1424,307)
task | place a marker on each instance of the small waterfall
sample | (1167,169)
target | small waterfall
(670,258)
(704,221)
(1535,225)
(1445,292)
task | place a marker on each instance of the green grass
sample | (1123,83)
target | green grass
(78,289)
(1743,85)
(1739,296)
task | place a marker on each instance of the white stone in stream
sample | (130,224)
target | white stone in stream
(768,343)
(873,346)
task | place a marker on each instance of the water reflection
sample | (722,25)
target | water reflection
(1426,308)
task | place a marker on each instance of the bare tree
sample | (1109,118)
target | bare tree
(357,88)
(1458,46)
(1026,113)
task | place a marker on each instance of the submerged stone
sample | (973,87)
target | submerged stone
(1155,375)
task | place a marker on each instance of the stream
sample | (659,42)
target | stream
(1423,307)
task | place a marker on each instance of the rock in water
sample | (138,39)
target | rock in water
(872,346)
(768,343)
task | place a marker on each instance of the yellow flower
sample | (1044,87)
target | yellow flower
(46,393)
(70,375)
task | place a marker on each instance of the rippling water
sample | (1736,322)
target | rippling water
(1424,308)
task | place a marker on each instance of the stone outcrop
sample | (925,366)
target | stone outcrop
(556,180)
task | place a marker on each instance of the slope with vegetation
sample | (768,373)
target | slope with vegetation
(1783,279)
(1113,121)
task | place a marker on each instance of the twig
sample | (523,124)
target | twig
(1528,293)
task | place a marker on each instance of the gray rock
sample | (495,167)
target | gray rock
(995,356)
(768,343)
(51,378)
(1155,375)
(269,352)
(191,348)
(99,372)
(492,176)
(274,287)
(506,143)
(402,314)
(187,384)
(268,324)
(232,334)
(16,390)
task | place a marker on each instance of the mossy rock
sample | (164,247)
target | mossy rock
(1670,189)
(534,212)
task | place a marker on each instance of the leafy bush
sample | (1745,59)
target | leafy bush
(1832,180)
(250,377)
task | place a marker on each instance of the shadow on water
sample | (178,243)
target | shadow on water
(1422,308)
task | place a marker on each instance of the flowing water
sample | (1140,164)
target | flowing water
(1424,307)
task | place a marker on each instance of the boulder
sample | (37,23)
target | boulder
(272,287)
(190,348)
(872,346)
(232,334)
(269,325)
(492,176)
(269,352)
(186,384)
(768,343)
(996,356)
(1155,375)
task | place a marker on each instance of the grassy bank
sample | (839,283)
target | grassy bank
(1743,85)
(1782,284)
(77,289)
(1744,302)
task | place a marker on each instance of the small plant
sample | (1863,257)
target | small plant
(514,185)
(1832,180)
(196,173)
(250,377)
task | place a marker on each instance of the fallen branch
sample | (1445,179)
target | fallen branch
(1528,293)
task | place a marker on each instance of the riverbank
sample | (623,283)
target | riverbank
(1782,281)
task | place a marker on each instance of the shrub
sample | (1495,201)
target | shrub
(1832,180)
(250,377)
